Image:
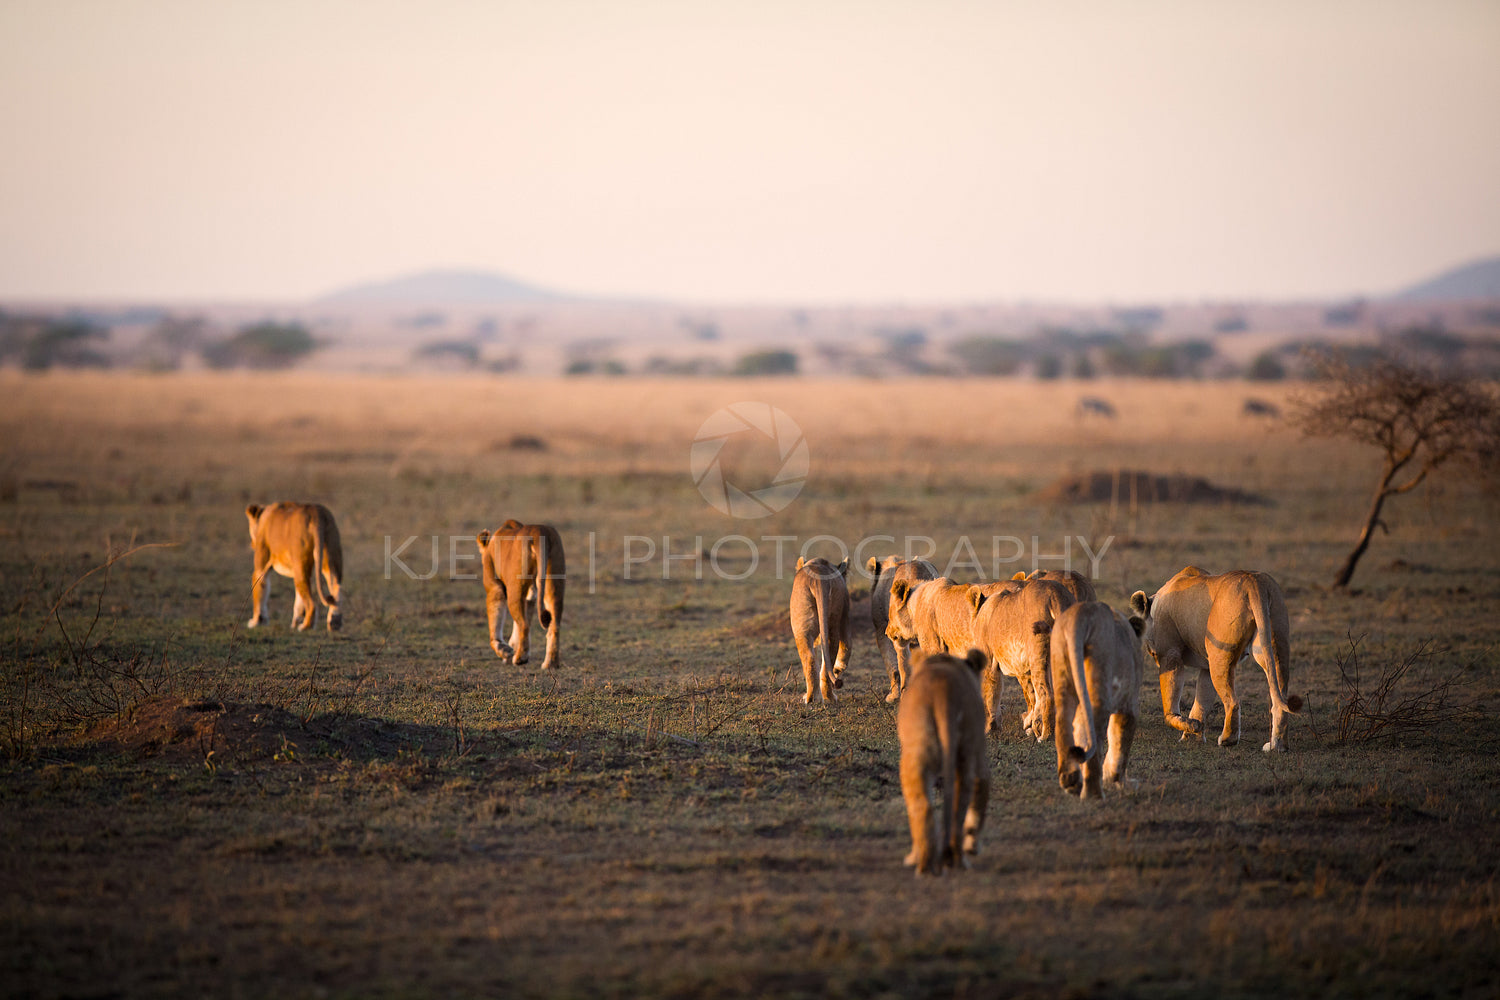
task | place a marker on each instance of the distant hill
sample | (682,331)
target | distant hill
(1479,280)
(444,288)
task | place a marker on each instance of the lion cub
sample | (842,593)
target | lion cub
(299,540)
(941,725)
(820,618)
(1097,668)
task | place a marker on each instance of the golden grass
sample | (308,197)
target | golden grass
(665,817)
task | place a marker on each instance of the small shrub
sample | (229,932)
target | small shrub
(766,363)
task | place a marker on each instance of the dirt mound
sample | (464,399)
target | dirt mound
(1125,486)
(186,732)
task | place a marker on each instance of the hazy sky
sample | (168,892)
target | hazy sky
(757,151)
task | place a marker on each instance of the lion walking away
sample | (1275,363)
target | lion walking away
(820,621)
(523,563)
(301,541)
(945,769)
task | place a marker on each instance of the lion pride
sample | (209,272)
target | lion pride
(522,562)
(299,540)
(945,767)
(1207,623)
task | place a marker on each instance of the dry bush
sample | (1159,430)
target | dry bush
(1395,703)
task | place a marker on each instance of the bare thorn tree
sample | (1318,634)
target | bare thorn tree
(1418,419)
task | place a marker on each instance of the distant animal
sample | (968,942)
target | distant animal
(299,540)
(1207,623)
(820,622)
(1096,677)
(883,574)
(1093,405)
(522,563)
(945,768)
(1260,408)
(1013,629)
(937,615)
(1078,585)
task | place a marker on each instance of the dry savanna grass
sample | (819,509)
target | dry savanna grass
(193,807)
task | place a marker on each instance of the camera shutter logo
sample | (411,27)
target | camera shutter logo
(738,500)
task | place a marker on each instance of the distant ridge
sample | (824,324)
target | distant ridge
(1479,280)
(444,287)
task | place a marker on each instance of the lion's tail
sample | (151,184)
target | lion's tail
(320,552)
(953,820)
(825,633)
(549,579)
(1274,641)
(1077,649)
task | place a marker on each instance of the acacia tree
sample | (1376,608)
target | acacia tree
(1417,418)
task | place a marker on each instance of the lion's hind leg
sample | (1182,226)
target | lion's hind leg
(519,631)
(1121,735)
(1223,683)
(979,801)
(494,606)
(304,612)
(260,596)
(805,652)
(923,813)
(335,608)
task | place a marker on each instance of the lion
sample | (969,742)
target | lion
(522,562)
(1096,675)
(937,615)
(941,727)
(884,574)
(1078,585)
(1012,628)
(820,618)
(1203,622)
(299,540)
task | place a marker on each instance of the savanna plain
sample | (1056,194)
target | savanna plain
(192,807)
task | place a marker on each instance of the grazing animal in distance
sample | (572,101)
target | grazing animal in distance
(522,563)
(884,573)
(1260,408)
(1096,678)
(945,767)
(1207,623)
(301,541)
(820,621)
(1095,406)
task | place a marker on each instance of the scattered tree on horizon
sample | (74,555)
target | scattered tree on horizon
(263,345)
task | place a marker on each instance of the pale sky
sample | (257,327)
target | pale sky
(761,151)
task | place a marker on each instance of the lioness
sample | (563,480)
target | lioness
(941,727)
(1096,674)
(885,573)
(1208,623)
(1077,584)
(299,540)
(820,618)
(522,562)
(937,615)
(1013,629)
